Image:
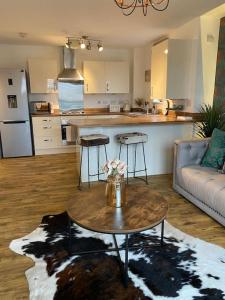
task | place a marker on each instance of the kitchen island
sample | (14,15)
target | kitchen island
(162,131)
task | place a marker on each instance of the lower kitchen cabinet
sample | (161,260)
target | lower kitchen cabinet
(48,137)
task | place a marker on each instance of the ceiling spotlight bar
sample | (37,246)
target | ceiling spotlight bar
(84,42)
(128,6)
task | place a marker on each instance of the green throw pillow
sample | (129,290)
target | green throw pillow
(215,155)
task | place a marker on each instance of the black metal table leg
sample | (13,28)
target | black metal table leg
(162,233)
(126,262)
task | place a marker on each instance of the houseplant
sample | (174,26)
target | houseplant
(212,118)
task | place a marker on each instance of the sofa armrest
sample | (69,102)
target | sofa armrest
(189,152)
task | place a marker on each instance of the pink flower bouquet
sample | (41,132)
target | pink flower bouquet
(114,167)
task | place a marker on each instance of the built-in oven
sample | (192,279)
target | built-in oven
(68,133)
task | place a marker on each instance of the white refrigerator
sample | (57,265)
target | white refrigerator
(15,132)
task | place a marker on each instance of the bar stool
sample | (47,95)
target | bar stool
(134,138)
(92,140)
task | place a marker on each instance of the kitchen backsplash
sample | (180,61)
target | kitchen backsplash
(90,101)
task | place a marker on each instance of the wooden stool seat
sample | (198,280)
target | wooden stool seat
(94,140)
(132,138)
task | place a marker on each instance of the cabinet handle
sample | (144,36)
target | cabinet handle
(87,87)
(45,120)
(107,86)
(47,127)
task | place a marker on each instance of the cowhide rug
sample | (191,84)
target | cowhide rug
(184,268)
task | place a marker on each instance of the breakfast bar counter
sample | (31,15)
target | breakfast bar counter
(162,131)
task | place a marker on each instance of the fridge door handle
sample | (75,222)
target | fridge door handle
(14,122)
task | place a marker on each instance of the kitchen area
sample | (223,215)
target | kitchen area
(42,110)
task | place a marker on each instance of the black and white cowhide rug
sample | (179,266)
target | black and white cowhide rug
(184,268)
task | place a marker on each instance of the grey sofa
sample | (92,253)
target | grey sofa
(205,187)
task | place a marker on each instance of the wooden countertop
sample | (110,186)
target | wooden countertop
(128,120)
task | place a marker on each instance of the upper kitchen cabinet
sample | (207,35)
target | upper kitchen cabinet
(94,77)
(111,77)
(170,69)
(117,77)
(43,75)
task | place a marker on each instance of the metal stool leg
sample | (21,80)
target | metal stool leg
(88,169)
(81,156)
(135,159)
(98,160)
(106,156)
(146,175)
(120,151)
(127,163)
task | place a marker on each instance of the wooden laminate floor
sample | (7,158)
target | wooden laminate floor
(35,186)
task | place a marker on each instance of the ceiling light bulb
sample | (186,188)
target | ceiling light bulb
(82,44)
(100,47)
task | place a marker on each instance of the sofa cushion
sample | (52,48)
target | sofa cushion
(214,156)
(206,184)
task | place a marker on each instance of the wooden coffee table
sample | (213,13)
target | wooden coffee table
(145,210)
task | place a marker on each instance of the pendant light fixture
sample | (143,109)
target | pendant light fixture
(128,6)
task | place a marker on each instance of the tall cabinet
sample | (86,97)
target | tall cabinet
(170,69)
(101,77)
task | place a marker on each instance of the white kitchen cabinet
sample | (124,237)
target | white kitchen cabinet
(106,77)
(94,77)
(47,134)
(117,77)
(170,69)
(43,75)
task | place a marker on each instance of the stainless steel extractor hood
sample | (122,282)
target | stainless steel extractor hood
(70,73)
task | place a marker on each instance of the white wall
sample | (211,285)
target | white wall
(209,41)
(191,31)
(141,63)
(16,56)
(210,25)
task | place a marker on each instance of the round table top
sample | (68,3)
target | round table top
(144,210)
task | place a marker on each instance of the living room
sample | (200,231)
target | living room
(112,149)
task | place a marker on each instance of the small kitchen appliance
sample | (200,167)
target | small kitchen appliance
(40,107)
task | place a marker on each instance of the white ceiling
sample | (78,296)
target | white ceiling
(50,21)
